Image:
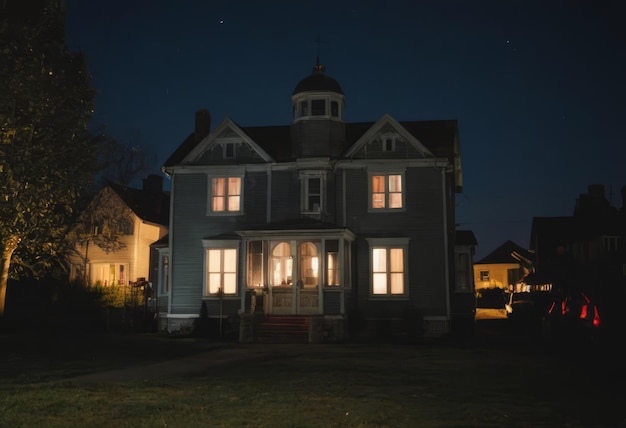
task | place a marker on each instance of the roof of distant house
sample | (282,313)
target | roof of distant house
(508,252)
(151,205)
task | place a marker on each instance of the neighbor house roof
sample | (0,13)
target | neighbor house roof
(149,205)
(505,253)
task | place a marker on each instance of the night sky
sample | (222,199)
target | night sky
(537,86)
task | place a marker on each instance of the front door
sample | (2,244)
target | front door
(297,294)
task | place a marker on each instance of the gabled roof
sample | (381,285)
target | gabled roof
(377,127)
(508,252)
(150,206)
(438,137)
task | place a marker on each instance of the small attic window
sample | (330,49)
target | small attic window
(229,151)
(318,107)
(389,144)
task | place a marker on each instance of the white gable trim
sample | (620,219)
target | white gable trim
(376,128)
(210,140)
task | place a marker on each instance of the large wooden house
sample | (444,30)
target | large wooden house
(346,228)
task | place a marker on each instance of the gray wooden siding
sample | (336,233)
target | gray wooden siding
(285,195)
(422,222)
(332,302)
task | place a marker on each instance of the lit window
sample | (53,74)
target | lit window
(281,265)
(309,265)
(332,263)
(226,194)
(387,271)
(387,191)
(484,275)
(221,271)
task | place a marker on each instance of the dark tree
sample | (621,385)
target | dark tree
(47,156)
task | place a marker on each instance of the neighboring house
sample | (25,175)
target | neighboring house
(349,226)
(142,216)
(586,252)
(504,267)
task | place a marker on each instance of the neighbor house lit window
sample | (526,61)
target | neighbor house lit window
(226,194)
(386,191)
(221,275)
(484,275)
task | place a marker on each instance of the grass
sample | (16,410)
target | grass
(347,385)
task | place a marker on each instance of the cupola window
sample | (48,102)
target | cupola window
(318,107)
(334,109)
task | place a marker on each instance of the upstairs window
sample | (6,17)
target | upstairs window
(312,192)
(226,194)
(386,192)
(303,108)
(334,109)
(484,275)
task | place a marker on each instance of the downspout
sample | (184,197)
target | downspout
(445,241)
(268,213)
(171,252)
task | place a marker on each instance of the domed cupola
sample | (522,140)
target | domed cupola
(317,129)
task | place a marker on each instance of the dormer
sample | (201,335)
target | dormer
(317,127)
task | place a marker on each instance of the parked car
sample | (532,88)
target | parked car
(529,304)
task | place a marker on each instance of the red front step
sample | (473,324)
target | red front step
(282,329)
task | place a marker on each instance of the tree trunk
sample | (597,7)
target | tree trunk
(5,262)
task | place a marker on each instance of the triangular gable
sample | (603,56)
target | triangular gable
(227,130)
(387,125)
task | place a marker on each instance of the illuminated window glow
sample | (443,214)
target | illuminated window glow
(226,194)
(387,271)
(221,271)
(386,191)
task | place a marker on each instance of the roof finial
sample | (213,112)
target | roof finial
(318,68)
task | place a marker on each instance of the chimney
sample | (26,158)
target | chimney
(203,124)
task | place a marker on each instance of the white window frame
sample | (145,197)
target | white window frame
(220,245)
(229,146)
(226,196)
(388,137)
(305,176)
(386,174)
(388,244)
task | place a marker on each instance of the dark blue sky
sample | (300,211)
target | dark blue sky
(537,86)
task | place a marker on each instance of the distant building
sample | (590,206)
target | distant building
(344,228)
(142,216)
(503,267)
(586,252)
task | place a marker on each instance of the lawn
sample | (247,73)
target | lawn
(431,384)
